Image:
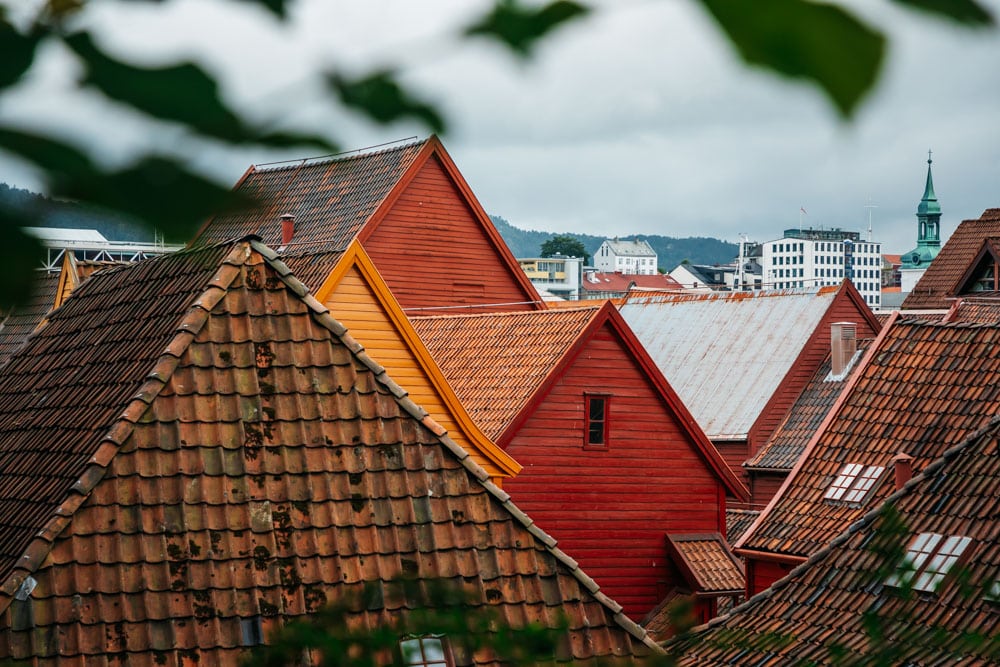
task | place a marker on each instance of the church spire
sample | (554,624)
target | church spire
(929,203)
(928,227)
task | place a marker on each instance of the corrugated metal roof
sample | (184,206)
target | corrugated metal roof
(63,235)
(637,248)
(726,353)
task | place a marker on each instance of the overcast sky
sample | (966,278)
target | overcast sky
(639,119)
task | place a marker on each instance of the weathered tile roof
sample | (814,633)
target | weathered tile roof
(829,605)
(982,309)
(707,563)
(789,440)
(194,441)
(726,353)
(336,196)
(21,321)
(941,280)
(495,362)
(924,386)
(619,282)
(737,522)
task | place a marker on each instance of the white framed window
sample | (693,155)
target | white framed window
(853,483)
(426,651)
(928,559)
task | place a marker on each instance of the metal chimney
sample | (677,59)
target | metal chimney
(287,228)
(843,345)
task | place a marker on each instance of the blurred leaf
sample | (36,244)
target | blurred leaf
(24,255)
(520,27)
(61,161)
(818,42)
(17,52)
(968,12)
(380,97)
(160,192)
(277,7)
(182,93)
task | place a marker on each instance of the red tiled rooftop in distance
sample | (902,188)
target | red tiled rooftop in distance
(940,282)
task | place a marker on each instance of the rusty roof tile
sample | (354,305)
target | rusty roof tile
(924,387)
(21,322)
(707,563)
(229,496)
(832,601)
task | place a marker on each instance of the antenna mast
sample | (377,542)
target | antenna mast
(870,206)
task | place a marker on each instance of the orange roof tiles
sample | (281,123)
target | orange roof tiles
(940,282)
(826,609)
(923,388)
(975,309)
(193,441)
(495,362)
(707,563)
(618,282)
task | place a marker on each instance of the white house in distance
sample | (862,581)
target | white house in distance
(818,257)
(625,257)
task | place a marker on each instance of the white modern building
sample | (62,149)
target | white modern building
(819,257)
(626,257)
(91,245)
(557,275)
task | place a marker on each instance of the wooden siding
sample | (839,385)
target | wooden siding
(450,260)
(611,508)
(762,573)
(353,303)
(763,486)
(843,309)
(734,452)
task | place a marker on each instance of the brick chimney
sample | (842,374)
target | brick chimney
(287,228)
(902,464)
(843,345)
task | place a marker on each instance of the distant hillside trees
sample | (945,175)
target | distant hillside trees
(41,211)
(565,245)
(670,251)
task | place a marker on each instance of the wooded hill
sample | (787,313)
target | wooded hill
(670,251)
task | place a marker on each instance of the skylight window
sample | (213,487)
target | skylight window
(853,483)
(427,651)
(929,558)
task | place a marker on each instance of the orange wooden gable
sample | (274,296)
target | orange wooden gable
(359,298)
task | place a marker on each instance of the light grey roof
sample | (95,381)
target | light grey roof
(631,248)
(725,353)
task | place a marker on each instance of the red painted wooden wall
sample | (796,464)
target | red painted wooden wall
(451,260)
(763,573)
(611,509)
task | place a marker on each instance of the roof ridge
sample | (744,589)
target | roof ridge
(865,521)
(322,316)
(115,436)
(506,313)
(345,156)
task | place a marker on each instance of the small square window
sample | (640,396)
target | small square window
(596,415)
(928,559)
(429,651)
(853,483)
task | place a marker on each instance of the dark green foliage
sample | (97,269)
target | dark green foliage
(821,43)
(520,27)
(381,97)
(18,52)
(566,245)
(670,251)
(41,211)
(968,12)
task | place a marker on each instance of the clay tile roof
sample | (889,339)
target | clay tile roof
(193,442)
(496,361)
(975,309)
(924,386)
(803,419)
(618,282)
(830,603)
(330,199)
(20,322)
(737,522)
(691,338)
(940,282)
(706,562)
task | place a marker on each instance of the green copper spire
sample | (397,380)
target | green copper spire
(928,227)
(929,204)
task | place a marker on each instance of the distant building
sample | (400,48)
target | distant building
(717,277)
(916,261)
(628,257)
(597,285)
(92,246)
(557,275)
(821,257)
